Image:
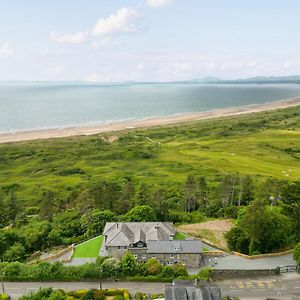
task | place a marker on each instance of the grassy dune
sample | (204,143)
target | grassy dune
(261,144)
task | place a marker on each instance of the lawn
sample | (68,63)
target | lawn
(89,249)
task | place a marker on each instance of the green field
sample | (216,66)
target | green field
(262,144)
(89,249)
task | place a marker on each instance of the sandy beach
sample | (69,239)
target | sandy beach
(118,126)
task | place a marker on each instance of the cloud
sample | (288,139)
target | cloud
(120,22)
(6,50)
(159,3)
(75,38)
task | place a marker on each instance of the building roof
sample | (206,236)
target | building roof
(184,246)
(128,233)
(191,291)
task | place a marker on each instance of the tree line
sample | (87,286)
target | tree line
(264,211)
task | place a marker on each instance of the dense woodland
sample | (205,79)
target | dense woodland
(58,192)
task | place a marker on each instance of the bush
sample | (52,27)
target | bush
(297,254)
(179,270)
(4,297)
(111,267)
(168,272)
(129,264)
(204,273)
(153,267)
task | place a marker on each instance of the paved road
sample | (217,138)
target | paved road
(230,261)
(287,286)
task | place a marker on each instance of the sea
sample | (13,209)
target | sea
(26,106)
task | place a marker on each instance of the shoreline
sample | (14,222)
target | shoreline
(146,123)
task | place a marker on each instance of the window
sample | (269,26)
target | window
(153,256)
(135,256)
(172,256)
(144,256)
(178,256)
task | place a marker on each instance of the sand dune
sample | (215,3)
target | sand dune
(182,118)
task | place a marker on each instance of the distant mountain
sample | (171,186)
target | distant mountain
(257,80)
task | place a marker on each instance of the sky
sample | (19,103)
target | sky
(147,40)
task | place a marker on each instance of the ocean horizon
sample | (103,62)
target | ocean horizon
(31,106)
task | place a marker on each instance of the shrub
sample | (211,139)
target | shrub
(297,254)
(4,297)
(153,267)
(111,267)
(179,270)
(168,272)
(204,273)
(129,264)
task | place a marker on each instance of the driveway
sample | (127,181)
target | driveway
(230,261)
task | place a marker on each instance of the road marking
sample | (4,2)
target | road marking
(260,290)
(249,285)
(240,284)
(232,290)
(260,284)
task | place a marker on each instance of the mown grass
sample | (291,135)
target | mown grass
(89,249)
(261,144)
(179,236)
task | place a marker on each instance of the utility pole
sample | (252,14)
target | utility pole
(100,278)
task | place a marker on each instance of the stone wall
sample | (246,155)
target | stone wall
(191,260)
(223,274)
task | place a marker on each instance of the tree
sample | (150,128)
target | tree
(129,264)
(266,227)
(291,200)
(3,217)
(105,194)
(246,190)
(95,222)
(190,194)
(203,191)
(160,203)
(126,200)
(16,252)
(143,195)
(237,240)
(36,235)
(13,208)
(228,189)
(47,205)
(143,213)
(87,204)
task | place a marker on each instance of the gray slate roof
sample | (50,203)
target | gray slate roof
(127,233)
(192,291)
(184,246)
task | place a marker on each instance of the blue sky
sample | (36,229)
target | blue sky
(147,40)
